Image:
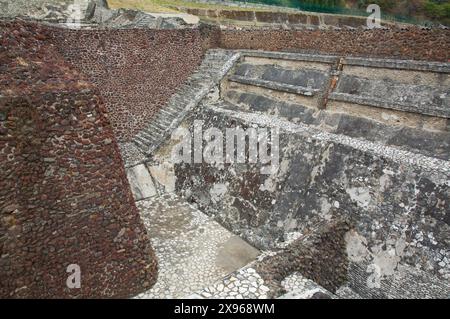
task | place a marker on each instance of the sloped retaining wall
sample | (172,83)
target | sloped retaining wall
(136,71)
(64,195)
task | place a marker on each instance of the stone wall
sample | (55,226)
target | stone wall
(136,71)
(64,196)
(412,43)
(281,17)
(396,202)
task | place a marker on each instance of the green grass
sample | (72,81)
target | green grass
(162,6)
(170,6)
(143,5)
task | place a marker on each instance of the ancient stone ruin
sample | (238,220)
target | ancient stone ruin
(114,148)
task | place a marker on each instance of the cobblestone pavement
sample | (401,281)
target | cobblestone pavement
(193,251)
(246,283)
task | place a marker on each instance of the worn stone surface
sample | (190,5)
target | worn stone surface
(245,283)
(422,99)
(299,287)
(85,14)
(193,250)
(287,17)
(405,104)
(391,182)
(141,182)
(64,196)
(128,18)
(201,83)
(321,257)
(435,143)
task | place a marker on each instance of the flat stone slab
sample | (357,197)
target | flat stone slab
(193,250)
(141,182)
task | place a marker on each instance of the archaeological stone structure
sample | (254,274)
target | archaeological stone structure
(64,196)
(348,195)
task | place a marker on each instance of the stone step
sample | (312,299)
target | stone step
(150,135)
(162,120)
(164,114)
(157,126)
(141,143)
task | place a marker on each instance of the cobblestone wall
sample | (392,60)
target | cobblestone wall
(136,71)
(413,43)
(64,196)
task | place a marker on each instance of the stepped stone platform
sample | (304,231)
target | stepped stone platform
(341,190)
(358,206)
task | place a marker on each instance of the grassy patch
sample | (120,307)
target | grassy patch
(143,5)
(168,5)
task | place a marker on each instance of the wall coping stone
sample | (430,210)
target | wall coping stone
(420,109)
(438,67)
(284,87)
(291,56)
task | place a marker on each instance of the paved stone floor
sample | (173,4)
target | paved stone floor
(200,259)
(245,283)
(193,250)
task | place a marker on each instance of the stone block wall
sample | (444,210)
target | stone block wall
(64,196)
(288,17)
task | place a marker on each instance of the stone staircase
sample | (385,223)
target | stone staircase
(214,66)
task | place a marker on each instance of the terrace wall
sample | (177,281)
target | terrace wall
(135,70)
(64,195)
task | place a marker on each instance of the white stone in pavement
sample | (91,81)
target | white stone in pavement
(141,182)
(193,251)
(245,283)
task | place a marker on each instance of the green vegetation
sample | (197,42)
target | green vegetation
(409,11)
(433,10)
(412,11)
(438,10)
(149,6)
(162,6)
